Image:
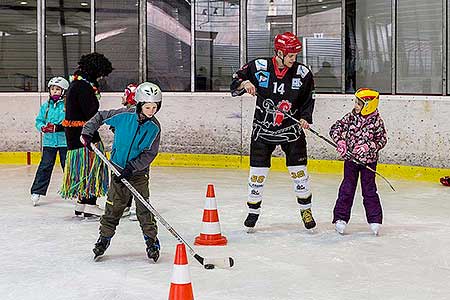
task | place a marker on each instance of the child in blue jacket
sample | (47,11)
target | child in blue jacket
(48,121)
(136,144)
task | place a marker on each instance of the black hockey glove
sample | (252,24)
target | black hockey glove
(125,174)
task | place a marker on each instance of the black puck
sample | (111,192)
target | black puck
(209,266)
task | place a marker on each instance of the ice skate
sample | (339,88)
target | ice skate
(153,248)
(79,209)
(100,246)
(307,218)
(375,227)
(92,212)
(340,226)
(250,222)
(35,199)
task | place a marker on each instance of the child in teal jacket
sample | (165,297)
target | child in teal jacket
(48,121)
(136,144)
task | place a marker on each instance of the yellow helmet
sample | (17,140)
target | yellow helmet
(371,98)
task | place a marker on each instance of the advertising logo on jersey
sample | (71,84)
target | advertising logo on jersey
(296,83)
(263,78)
(302,71)
(261,64)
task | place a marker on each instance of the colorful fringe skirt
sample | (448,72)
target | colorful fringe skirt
(85,174)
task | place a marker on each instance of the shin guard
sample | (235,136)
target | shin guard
(256,180)
(300,179)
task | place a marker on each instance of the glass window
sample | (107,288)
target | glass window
(266,19)
(319,29)
(169,44)
(68,36)
(368,45)
(18,46)
(419,47)
(216,44)
(117,37)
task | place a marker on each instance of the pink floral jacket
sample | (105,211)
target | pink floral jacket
(356,129)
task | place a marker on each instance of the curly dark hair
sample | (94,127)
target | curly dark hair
(94,65)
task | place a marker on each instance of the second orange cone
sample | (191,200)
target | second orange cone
(180,286)
(210,234)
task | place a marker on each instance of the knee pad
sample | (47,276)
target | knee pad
(256,180)
(300,178)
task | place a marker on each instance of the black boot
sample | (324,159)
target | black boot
(307,218)
(101,245)
(306,213)
(252,217)
(79,208)
(153,248)
(251,220)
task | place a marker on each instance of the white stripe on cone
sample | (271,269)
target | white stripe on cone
(210,203)
(180,274)
(211,228)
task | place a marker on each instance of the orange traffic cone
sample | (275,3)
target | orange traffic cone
(210,234)
(180,286)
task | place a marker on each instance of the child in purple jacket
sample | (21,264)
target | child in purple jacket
(360,132)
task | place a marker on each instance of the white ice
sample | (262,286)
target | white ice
(47,254)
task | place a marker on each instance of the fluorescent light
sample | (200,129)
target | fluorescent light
(70,33)
(23,2)
(84,4)
(324,6)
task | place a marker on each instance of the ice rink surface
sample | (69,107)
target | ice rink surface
(47,254)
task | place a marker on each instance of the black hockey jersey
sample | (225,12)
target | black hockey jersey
(290,90)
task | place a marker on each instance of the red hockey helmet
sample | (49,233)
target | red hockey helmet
(288,43)
(130,92)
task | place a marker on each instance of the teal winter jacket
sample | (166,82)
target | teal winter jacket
(51,112)
(135,143)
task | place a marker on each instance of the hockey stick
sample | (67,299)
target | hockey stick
(353,158)
(208,263)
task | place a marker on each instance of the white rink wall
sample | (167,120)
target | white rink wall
(418,127)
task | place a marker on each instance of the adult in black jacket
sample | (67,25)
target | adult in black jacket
(85,176)
(281,84)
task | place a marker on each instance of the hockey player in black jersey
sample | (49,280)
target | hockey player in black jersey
(280,84)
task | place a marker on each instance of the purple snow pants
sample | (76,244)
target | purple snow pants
(371,200)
